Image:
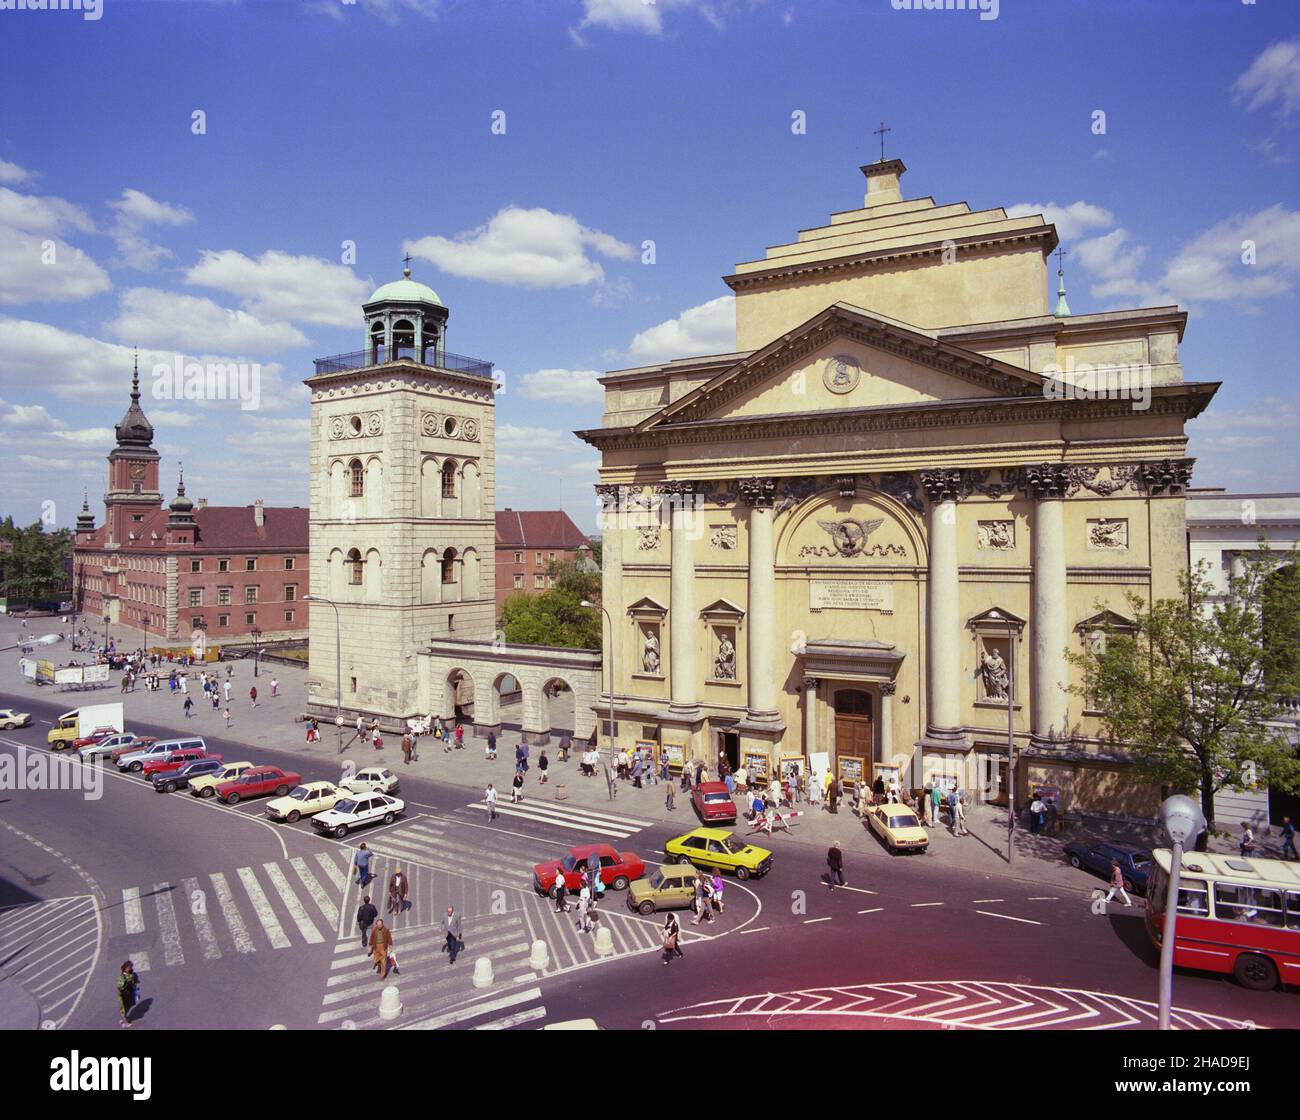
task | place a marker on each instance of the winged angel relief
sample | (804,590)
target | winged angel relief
(849,539)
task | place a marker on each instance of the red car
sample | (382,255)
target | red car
(258,782)
(617,869)
(173,761)
(713,802)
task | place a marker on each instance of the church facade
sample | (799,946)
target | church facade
(868,540)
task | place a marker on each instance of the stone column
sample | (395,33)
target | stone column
(1048,623)
(885,738)
(943,609)
(758,493)
(613,507)
(810,715)
(683,618)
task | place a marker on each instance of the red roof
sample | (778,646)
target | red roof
(537,528)
(221,529)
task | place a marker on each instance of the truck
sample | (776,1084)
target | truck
(81,722)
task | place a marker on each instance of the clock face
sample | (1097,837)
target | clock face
(137,470)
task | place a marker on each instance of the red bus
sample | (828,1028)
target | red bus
(1235,914)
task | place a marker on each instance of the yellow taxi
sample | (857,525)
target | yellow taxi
(898,827)
(206,784)
(305,800)
(717,848)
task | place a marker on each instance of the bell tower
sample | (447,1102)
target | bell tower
(132,470)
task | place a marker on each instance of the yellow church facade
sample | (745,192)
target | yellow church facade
(867,541)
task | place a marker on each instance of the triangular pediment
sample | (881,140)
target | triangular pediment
(1105,620)
(647,606)
(848,358)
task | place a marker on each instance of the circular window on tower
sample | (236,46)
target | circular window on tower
(355,424)
(450,426)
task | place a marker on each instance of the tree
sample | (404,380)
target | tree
(34,565)
(1194,693)
(555,617)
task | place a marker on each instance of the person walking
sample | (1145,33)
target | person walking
(367,915)
(188,706)
(406,748)
(377,739)
(362,862)
(460,737)
(835,861)
(1117,884)
(275,688)
(398,887)
(717,885)
(128,991)
(451,931)
(669,788)
(561,893)
(216,700)
(1288,839)
(703,899)
(492,746)
(959,813)
(517,787)
(381,948)
(833,796)
(543,764)
(1247,847)
(225,685)
(491,798)
(934,799)
(252,695)
(584,910)
(226,713)
(184,685)
(672,938)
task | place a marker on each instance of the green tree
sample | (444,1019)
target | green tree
(34,566)
(555,617)
(1190,694)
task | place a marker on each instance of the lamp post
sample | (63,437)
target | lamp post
(612,678)
(338,664)
(1011,733)
(106,617)
(256,635)
(1182,819)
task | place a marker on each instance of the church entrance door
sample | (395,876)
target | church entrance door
(854,731)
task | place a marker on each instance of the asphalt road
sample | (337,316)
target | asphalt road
(244,923)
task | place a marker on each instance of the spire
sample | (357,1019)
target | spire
(182,509)
(134,430)
(1062,308)
(85,519)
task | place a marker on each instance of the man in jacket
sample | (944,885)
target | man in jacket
(398,886)
(835,861)
(451,931)
(381,948)
(366,917)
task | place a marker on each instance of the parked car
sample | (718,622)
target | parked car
(305,801)
(133,761)
(257,782)
(617,869)
(372,779)
(357,812)
(717,848)
(173,760)
(11,718)
(668,887)
(898,827)
(1134,861)
(713,803)
(205,785)
(121,740)
(199,768)
(96,736)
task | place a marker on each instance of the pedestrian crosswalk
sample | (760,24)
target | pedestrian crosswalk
(274,905)
(571,818)
(49,948)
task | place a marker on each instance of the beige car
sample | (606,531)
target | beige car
(206,784)
(305,801)
(669,886)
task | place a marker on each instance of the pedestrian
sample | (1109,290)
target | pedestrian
(703,899)
(226,713)
(717,885)
(1288,839)
(460,737)
(225,685)
(313,731)
(451,930)
(366,916)
(216,700)
(665,770)
(492,746)
(959,813)
(729,780)
(561,893)
(833,796)
(517,787)
(669,788)
(406,748)
(275,688)
(381,948)
(252,695)
(1247,839)
(188,705)
(377,739)
(936,796)
(1117,884)
(672,938)
(128,988)
(593,868)
(362,861)
(491,798)
(543,764)
(1037,811)
(835,861)
(584,910)
(636,770)
(521,757)
(398,887)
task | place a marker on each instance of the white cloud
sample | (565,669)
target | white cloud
(172,418)
(280,286)
(569,386)
(709,328)
(641,16)
(1210,267)
(1070,219)
(41,213)
(1273,78)
(136,206)
(390,11)
(158,318)
(33,353)
(514,438)
(534,248)
(12,173)
(35,269)
(135,210)
(31,416)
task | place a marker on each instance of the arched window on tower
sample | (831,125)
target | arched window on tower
(356,568)
(449,566)
(403,339)
(377,354)
(358,475)
(449,479)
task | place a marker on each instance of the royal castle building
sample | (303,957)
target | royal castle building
(870,537)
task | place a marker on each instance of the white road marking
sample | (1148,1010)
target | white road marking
(810,921)
(532,1014)
(1008,917)
(916,904)
(317,892)
(757,929)
(875,910)
(1043,898)
(976,900)
(140,961)
(306,927)
(855,890)
(229,911)
(474,1011)
(131,910)
(331,869)
(171,933)
(594,829)
(262,908)
(202,925)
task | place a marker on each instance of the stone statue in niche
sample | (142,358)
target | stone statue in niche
(996,678)
(650,652)
(996,536)
(724,664)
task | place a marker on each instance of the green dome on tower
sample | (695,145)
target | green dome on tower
(405,290)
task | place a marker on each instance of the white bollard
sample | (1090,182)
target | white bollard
(390,1005)
(540,957)
(604,941)
(483,973)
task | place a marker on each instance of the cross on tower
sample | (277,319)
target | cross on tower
(1061,254)
(881,133)
(406,260)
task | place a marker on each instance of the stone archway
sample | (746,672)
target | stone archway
(557,703)
(507,701)
(458,696)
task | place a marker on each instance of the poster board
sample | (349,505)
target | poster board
(819,762)
(45,672)
(68,676)
(676,753)
(851,770)
(756,768)
(28,667)
(887,773)
(94,674)
(791,763)
(649,748)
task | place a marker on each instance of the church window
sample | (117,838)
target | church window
(449,479)
(449,566)
(355,568)
(358,476)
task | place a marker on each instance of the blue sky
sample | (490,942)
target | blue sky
(372,123)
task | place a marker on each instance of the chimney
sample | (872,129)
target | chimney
(202,503)
(882,181)
(259,513)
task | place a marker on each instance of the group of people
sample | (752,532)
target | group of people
(377,936)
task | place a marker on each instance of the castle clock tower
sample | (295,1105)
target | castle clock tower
(132,471)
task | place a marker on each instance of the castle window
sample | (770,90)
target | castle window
(449,479)
(355,568)
(358,475)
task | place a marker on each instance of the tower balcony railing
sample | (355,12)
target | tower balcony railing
(457,363)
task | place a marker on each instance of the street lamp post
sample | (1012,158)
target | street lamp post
(256,635)
(338,664)
(1011,733)
(612,678)
(106,617)
(1183,820)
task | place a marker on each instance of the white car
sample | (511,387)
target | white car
(305,801)
(107,746)
(11,718)
(373,779)
(154,752)
(357,812)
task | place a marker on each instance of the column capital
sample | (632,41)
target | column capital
(888,688)
(758,493)
(1045,481)
(675,491)
(943,485)
(809,683)
(1165,476)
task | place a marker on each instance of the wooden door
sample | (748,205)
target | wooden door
(854,729)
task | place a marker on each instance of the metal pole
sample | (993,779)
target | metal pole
(1167,936)
(1011,746)
(611,693)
